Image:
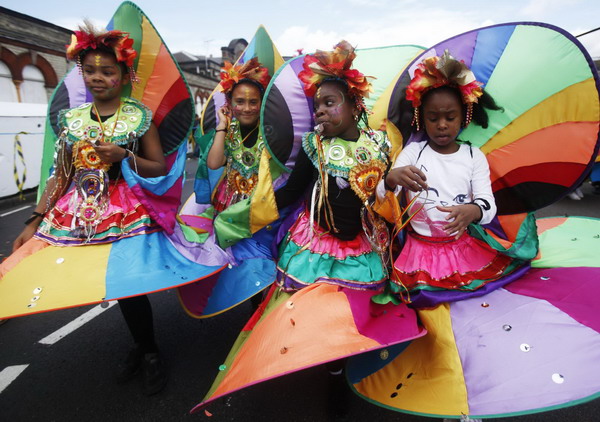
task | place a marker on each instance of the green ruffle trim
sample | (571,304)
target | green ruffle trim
(307,266)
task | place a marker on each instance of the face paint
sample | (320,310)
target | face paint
(98,57)
(247,94)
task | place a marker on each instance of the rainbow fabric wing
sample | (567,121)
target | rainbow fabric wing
(545,141)
(261,47)
(320,323)
(287,113)
(529,347)
(72,276)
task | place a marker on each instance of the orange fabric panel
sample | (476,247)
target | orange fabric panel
(164,76)
(283,343)
(543,146)
(28,248)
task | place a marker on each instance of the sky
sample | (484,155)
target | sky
(201,27)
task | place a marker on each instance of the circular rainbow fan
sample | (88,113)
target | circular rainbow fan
(545,141)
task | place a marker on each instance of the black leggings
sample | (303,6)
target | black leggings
(137,312)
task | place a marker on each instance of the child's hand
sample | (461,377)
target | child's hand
(109,152)
(460,216)
(224,114)
(409,177)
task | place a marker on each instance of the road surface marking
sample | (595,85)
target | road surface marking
(14,211)
(9,374)
(76,323)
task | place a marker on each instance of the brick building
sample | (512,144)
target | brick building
(32,60)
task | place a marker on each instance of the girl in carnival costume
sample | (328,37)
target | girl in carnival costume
(238,141)
(332,259)
(447,183)
(86,201)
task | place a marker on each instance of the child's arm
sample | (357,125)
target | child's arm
(300,178)
(151,161)
(403,173)
(216,155)
(482,188)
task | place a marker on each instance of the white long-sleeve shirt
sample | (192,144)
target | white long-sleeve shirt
(453,179)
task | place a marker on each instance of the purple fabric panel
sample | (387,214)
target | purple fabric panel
(219,100)
(495,227)
(78,94)
(460,47)
(382,323)
(429,299)
(503,378)
(299,106)
(208,253)
(194,296)
(575,291)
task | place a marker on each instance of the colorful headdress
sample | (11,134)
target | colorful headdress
(335,64)
(252,70)
(87,38)
(434,72)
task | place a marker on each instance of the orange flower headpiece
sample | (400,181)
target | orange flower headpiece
(331,65)
(88,39)
(434,72)
(252,70)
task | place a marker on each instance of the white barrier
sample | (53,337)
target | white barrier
(14,119)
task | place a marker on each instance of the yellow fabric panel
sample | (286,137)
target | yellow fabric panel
(429,369)
(263,209)
(151,43)
(65,275)
(566,105)
(322,329)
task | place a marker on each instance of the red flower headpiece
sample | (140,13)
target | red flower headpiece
(252,69)
(434,72)
(117,41)
(334,64)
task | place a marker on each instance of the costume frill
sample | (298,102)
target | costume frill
(527,342)
(125,241)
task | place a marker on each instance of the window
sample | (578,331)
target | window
(32,88)
(8,91)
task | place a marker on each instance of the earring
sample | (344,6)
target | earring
(415,120)
(469,114)
(356,117)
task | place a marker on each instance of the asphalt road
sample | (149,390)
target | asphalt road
(73,378)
